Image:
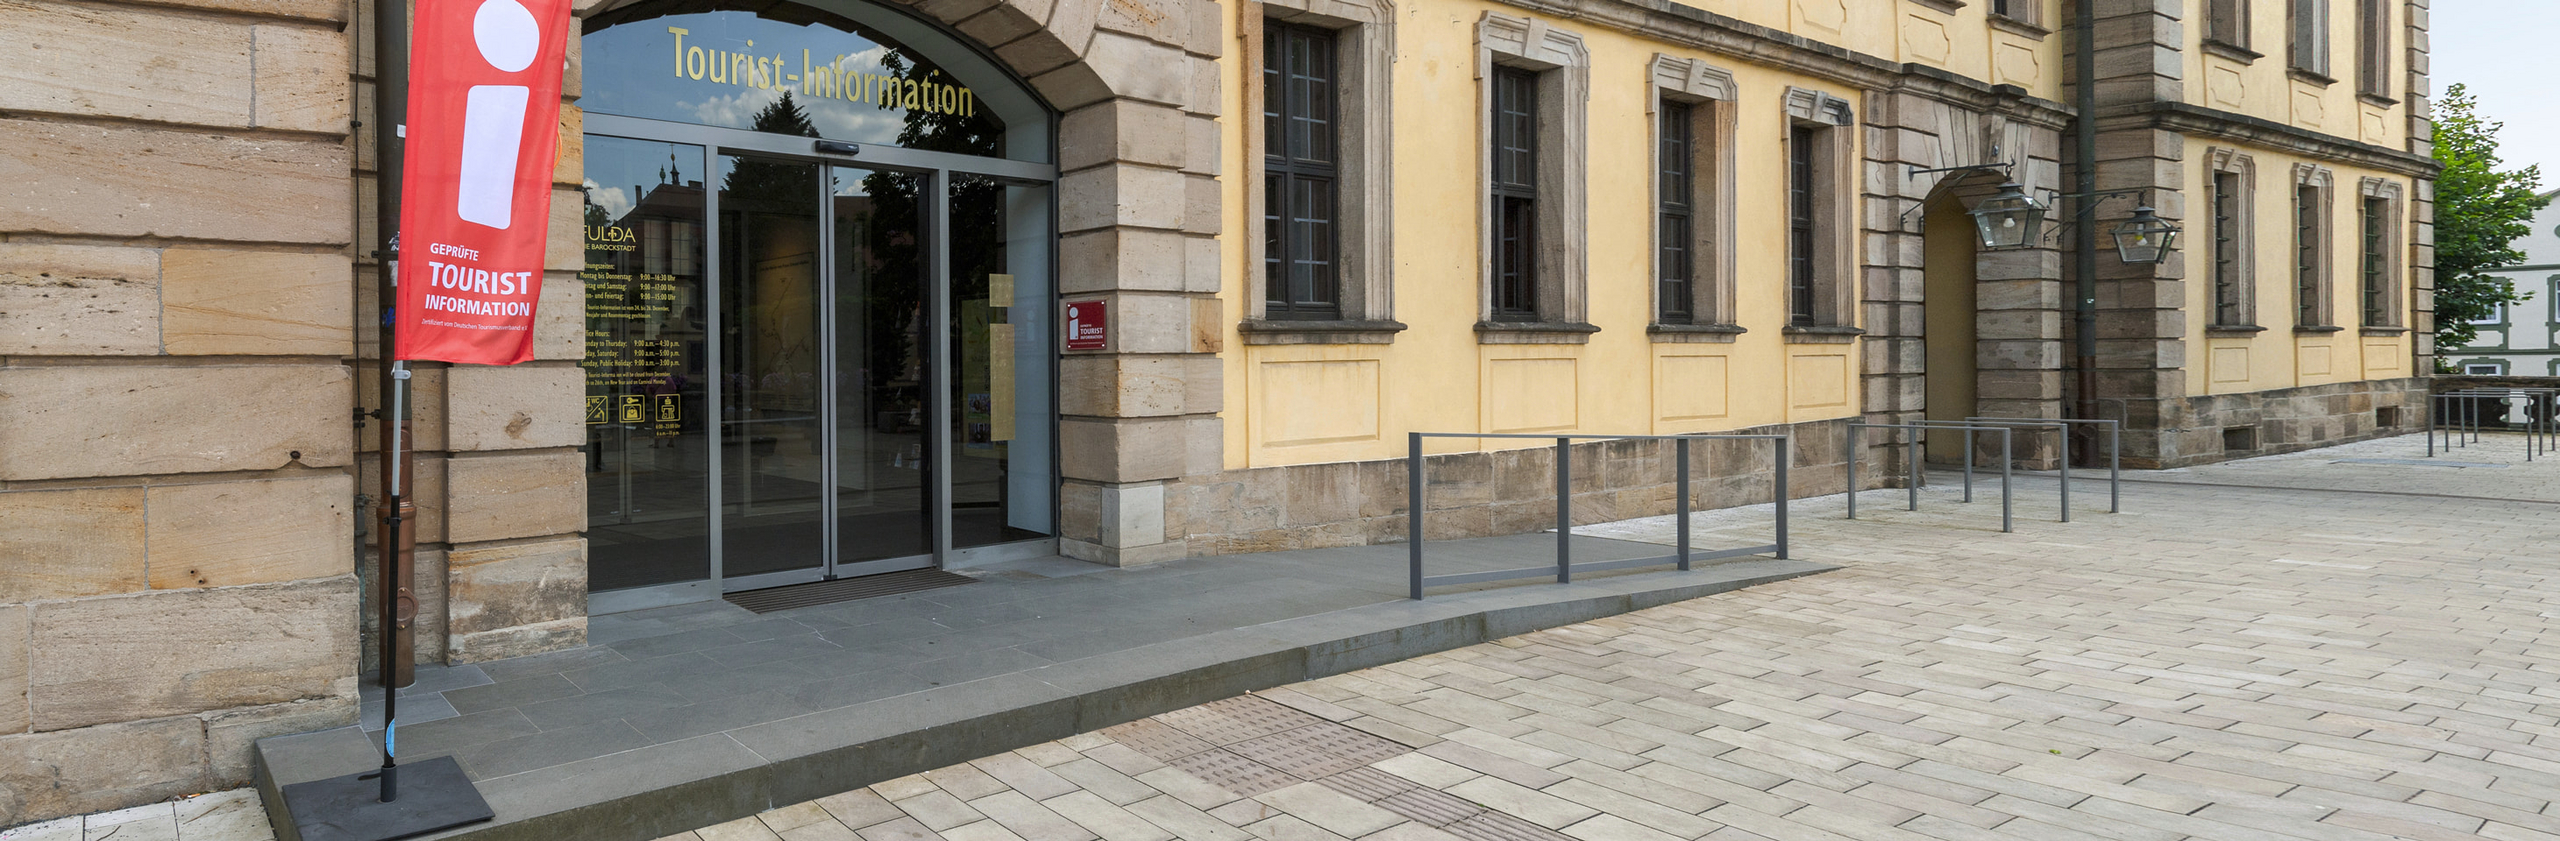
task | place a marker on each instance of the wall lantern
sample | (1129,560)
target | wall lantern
(2008,220)
(2145,238)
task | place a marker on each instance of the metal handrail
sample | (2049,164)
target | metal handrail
(1564,566)
(2008,509)
(2541,429)
(2115,457)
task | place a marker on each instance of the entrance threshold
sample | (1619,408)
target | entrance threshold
(771,599)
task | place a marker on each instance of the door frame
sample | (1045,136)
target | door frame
(936,169)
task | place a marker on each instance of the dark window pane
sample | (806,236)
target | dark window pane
(1801,290)
(1675,229)
(2307,245)
(1298,95)
(1514,194)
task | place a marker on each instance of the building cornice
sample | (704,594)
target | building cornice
(2199,121)
(1693,27)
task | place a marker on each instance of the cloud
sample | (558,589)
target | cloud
(736,110)
(615,202)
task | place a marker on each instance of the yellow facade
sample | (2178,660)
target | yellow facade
(1305,404)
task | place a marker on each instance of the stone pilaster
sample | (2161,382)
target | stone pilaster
(2141,331)
(2420,95)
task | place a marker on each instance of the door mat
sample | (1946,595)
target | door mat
(813,594)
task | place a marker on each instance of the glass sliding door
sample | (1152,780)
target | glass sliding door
(648,419)
(999,397)
(884,452)
(773,507)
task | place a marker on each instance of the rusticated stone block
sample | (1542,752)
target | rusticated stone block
(516,599)
(168,68)
(301,78)
(79,421)
(1321,493)
(560,319)
(70,543)
(266,531)
(78,300)
(224,302)
(13,669)
(1130,450)
(501,497)
(50,775)
(124,658)
(1120,194)
(565,246)
(1123,130)
(69,178)
(513,408)
(1122,258)
(1121,386)
(426,407)
(426,489)
(229,734)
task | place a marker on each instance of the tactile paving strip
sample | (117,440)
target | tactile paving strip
(1318,750)
(1370,785)
(1496,826)
(1234,773)
(1237,719)
(1156,739)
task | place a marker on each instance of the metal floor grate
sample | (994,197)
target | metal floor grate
(772,599)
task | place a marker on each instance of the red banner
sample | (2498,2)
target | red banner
(475,200)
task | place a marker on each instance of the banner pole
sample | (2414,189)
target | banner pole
(395,548)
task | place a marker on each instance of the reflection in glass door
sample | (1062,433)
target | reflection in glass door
(773,488)
(647,369)
(884,463)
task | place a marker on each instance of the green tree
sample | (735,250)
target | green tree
(2480,212)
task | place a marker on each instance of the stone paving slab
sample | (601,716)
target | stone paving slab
(685,716)
(2222,662)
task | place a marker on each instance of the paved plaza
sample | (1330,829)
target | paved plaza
(2343,645)
(2261,651)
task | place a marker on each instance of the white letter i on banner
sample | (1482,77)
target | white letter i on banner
(493,115)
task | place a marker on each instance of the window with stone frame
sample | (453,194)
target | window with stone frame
(1818,172)
(2230,188)
(2227,22)
(1534,84)
(2307,36)
(2311,247)
(1693,192)
(2023,11)
(2378,254)
(2373,48)
(1514,194)
(1299,277)
(1323,239)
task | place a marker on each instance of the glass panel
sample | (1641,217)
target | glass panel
(648,447)
(882,449)
(773,482)
(869,82)
(1001,485)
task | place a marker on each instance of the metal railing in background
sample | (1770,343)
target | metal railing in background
(1564,567)
(1915,436)
(2457,415)
(2115,457)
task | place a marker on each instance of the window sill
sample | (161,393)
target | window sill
(2233,331)
(1534,332)
(2377,100)
(1947,6)
(2383,331)
(2313,76)
(2317,329)
(1821,335)
(1286,332)
(2232,51)
(1694,333)
(2009,24)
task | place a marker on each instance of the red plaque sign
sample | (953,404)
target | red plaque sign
(1088,325)
(475,201)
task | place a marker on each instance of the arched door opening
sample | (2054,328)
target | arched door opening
(1949,307)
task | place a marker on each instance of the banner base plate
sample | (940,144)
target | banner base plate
(434,796)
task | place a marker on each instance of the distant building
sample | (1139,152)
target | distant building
(2517,339)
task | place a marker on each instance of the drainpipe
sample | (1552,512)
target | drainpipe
(2084,240)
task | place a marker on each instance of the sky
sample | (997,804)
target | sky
(2508,53)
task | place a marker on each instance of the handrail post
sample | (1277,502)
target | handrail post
(1564,510)
(1680,474)
(2115,467)
(2062,431)
(1413,509)
(1783,458)
(2008,457)
(1911,453)
(1853,470)
(1968,463)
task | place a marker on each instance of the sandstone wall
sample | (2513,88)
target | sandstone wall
(184,270)
(177,474)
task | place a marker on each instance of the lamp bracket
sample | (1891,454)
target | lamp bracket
(1916,170)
